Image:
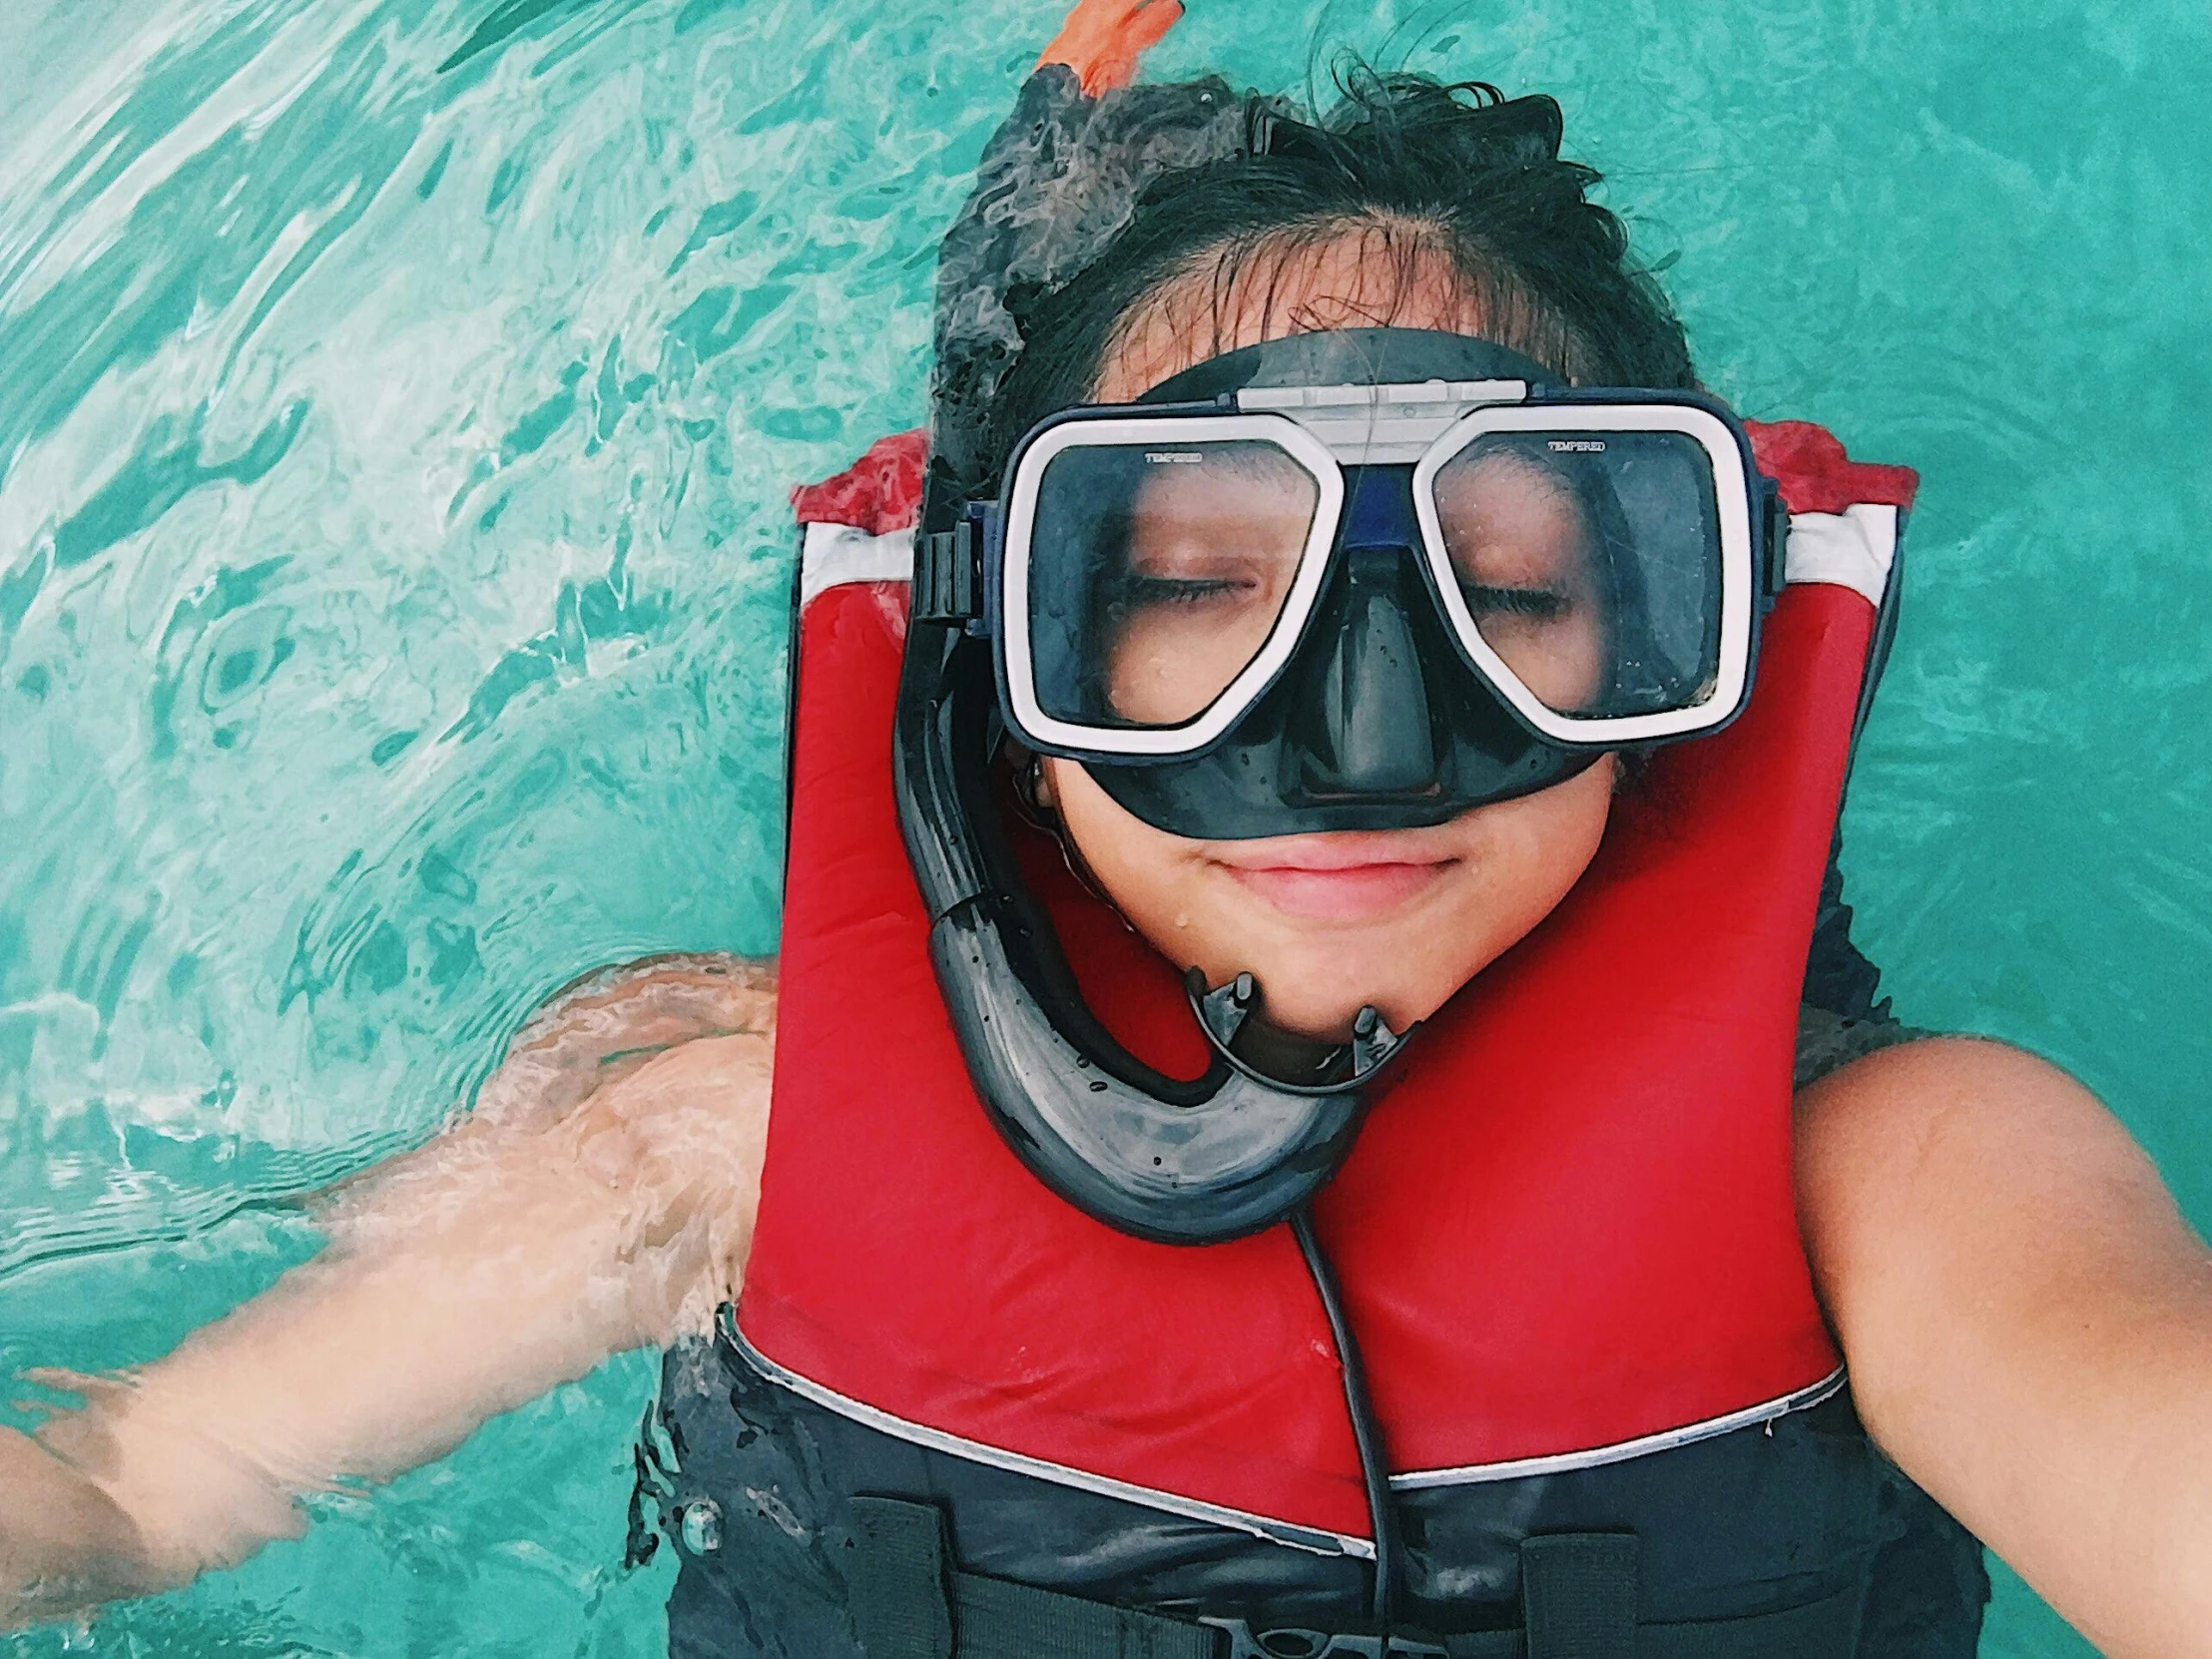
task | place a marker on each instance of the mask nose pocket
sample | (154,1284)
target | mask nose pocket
(1363,723)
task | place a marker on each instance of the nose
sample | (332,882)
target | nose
(1362,715)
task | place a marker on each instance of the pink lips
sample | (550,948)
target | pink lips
(1334,878)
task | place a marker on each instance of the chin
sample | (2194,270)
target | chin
(1318,998)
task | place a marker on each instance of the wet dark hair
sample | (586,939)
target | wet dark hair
(1417,169)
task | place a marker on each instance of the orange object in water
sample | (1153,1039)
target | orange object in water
(1103,39)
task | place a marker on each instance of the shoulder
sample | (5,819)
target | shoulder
(1955,1160)
(1906,1096)
(1907,1120)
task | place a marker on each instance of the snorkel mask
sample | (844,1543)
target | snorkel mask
(1362,580)
(1368,580)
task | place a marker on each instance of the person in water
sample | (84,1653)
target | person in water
(2026,1317)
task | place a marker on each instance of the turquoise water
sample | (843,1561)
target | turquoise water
(396,404)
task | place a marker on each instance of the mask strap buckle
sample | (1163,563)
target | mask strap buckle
(949,574)
(1225,1012)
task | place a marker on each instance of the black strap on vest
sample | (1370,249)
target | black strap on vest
(1578,1597)
(908,1605)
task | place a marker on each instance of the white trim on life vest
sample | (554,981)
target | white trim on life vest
(832,555)
(1274,1531)
(1855,549)
(1852,549)
(1475,1474)
(1310,1539)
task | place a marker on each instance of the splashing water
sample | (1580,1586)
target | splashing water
(397,399)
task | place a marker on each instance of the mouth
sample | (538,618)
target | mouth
(1336,877)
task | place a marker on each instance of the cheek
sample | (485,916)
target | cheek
(1146,871)
(1165,887)
(1530,852)
(1168,664)
(1563,661)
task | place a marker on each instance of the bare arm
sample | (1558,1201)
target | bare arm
(601,1197)
(2029,1320)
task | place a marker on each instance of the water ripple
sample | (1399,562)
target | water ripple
(396,404)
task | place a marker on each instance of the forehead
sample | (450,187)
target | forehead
(1370,275)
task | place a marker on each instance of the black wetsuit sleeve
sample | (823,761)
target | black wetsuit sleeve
(1841,1017)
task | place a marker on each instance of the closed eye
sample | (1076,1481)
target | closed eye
(1182,590)
(1543,604)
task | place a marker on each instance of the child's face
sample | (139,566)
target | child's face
(1400,918)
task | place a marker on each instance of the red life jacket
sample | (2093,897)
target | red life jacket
(1566,1236)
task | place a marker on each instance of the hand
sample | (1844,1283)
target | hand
(64,1543)
(1103,39)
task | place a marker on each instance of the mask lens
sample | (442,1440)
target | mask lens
(1590,563)
(1157,573)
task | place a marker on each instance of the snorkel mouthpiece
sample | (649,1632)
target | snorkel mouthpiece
(1227,1015)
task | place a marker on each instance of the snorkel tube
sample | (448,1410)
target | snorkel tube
(1222,1155)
